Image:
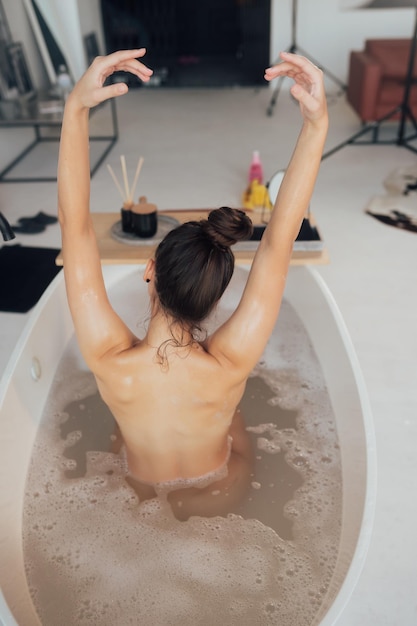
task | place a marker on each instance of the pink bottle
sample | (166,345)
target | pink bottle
(256,170)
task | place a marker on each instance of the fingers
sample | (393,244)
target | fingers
(136,67)
(308,87)
(294,65)
(126,61)
(112,91)
(121,56)
(91,89)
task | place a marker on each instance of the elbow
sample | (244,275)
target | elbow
(74,223)
(279,244)
(61,217)
(62,214)
(64,223)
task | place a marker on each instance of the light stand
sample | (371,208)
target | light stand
(404,109)
(295,49)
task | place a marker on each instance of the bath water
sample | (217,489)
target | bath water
(96,554)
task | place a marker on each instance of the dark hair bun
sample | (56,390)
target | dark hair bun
(226,226)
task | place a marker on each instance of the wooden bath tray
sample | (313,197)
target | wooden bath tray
(115,252)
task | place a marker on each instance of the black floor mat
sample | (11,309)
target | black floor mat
(25,273)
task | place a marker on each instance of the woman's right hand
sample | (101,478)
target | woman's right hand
(90,91)
(308,87)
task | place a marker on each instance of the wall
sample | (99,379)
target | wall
(324,30)
(328,33)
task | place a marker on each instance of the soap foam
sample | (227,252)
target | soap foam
(114,560)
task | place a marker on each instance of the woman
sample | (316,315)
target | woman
(174,397)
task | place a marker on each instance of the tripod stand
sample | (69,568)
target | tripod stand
(404,110)
(294,48)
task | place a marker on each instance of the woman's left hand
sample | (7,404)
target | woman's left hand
(90,91)
(308,87)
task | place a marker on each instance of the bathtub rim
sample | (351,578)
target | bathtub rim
(54,290)
(357,561)
(351,580)
(18,366)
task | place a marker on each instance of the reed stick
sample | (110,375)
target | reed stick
(135,180)
(116,182)
(126,182)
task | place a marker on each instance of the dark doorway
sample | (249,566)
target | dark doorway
(203,43)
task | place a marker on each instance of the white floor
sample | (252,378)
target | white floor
(197,146)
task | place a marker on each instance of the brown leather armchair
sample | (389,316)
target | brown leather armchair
(377,77)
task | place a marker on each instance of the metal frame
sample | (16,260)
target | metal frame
(45,121)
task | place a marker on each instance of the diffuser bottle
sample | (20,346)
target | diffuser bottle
(255,169)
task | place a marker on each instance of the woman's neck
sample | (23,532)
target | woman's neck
(163,328)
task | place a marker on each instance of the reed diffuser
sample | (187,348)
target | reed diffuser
(129,192)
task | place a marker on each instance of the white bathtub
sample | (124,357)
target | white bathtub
(28,377)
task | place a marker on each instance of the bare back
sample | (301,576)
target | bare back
(174,419)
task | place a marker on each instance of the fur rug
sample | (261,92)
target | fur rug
(399,206)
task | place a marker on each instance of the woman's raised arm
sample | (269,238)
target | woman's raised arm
(98,328)
(242,339)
